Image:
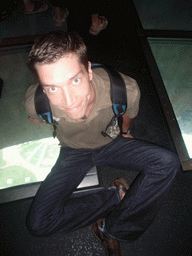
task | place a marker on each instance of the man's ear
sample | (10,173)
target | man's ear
(90,71)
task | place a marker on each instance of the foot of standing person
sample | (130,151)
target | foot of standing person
(98,24)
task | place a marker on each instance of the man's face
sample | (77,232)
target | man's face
(68,85)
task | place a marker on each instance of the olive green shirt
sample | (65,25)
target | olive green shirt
(87,134)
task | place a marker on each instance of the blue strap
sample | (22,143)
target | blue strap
(47,117)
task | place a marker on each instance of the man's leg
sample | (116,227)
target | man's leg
(157,168)
(54,209)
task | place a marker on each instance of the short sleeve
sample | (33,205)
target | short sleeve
(133,96)
(29,102)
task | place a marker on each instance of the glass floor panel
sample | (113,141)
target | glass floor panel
(24,146)
(174,61)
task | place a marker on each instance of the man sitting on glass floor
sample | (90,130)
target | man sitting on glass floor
(80,102)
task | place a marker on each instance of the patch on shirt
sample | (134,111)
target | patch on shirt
(113,129)
(56,119)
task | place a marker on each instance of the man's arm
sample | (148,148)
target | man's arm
(34,120)
(126,126)
(133,98)
(30,106)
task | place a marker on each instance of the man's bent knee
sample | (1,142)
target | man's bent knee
(40,226)
(168,164)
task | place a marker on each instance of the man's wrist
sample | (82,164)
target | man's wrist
(127,132)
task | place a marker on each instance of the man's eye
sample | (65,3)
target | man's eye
(53,89)
(76,80)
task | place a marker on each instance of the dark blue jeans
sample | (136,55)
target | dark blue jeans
(54,209)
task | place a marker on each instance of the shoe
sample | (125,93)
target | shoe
(96,30)
(38,7)
(112,247)
(121,185)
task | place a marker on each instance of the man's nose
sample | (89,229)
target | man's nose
(68,97)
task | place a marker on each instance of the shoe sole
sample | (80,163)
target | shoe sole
(96,232)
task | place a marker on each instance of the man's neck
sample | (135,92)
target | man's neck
(90,105)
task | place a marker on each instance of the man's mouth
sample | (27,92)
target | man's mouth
(74,108)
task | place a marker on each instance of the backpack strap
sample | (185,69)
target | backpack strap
(118,98)
(118,89)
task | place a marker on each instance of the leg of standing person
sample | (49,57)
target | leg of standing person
(32,7)
(61,11)
(87,18)
(99,22)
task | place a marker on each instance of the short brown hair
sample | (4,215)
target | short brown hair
(56,44)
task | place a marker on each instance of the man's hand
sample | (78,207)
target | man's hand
(34,120)
(126,126)
(127,136)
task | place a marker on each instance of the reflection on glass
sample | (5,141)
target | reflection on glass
(174,60)
(27,162)
(27,151)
